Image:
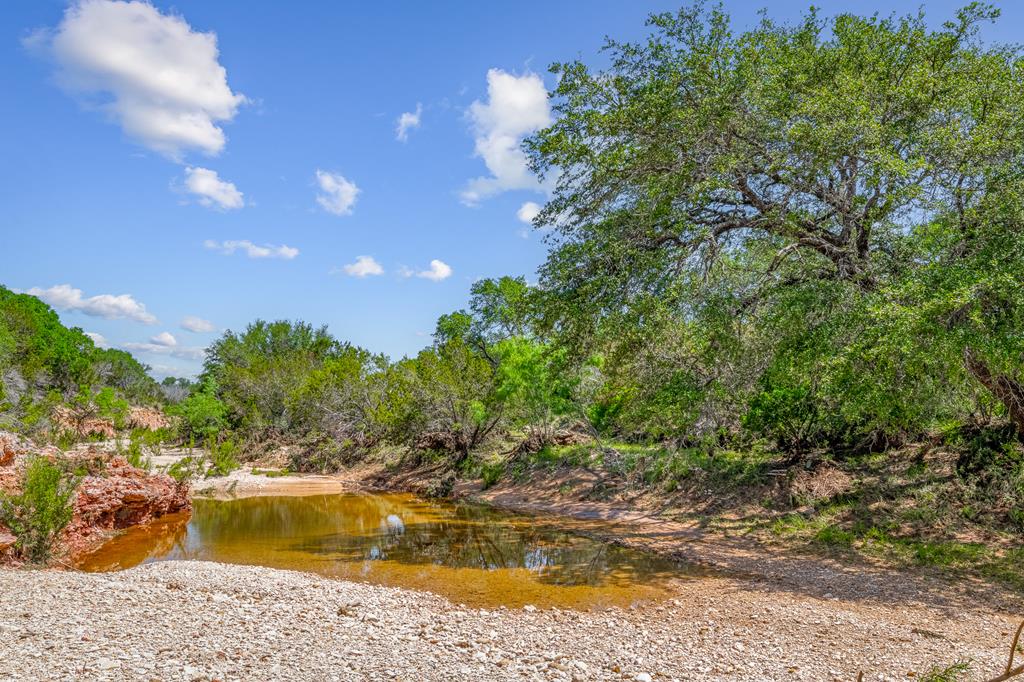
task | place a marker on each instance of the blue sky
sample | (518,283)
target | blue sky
(163,177)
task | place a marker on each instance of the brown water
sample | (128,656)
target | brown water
(470,554)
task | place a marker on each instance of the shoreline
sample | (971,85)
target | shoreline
(815,573)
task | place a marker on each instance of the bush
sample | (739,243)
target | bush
(202,414)
(491,473)
(185,469)
(134,453)
(223,458)
(41,510)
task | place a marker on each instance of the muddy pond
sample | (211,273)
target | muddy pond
(471,554)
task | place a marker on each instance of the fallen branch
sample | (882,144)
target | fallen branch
(1010,670)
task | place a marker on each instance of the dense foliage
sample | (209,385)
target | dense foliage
(44,364)
(809,235)
(802,238)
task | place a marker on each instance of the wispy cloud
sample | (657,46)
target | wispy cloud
(211,190)
(150,72)
(252,250)
(112,307)
(410,120)
(196,324)
(338,194)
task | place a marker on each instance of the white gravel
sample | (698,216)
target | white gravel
(205,621)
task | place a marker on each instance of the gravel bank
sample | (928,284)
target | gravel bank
(205,621)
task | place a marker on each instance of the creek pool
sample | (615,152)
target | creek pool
(471,554)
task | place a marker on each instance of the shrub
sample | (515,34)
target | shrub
(134,453)
(202,414)
(491,473)
(223,458)
(184,469)
(41,510)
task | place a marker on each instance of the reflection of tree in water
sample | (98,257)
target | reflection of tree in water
(474,537)
(362,529)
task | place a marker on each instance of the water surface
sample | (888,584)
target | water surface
(470,554)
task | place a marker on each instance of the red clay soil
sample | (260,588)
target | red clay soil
(117,495)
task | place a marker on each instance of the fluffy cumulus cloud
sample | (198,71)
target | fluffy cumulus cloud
(252,250)
(516,106)
(164,343)
(438,270)
(151,72)
(410,120)
(98,339)
(196,324)
(121,306)
(338,195)
(211,190)
(528,211)
(363,267)
(164,339)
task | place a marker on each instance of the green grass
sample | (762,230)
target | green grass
(952,673)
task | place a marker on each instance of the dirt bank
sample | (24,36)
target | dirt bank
(202,621)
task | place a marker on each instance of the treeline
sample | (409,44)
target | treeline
(45,366)
(810,235)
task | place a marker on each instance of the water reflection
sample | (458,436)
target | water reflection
(468,553)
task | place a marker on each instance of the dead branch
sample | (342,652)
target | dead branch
(1010,670)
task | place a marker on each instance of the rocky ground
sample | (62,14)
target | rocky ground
(203,621)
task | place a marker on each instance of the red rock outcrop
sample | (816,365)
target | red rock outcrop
(121,496)
(147,418)
(112,496)
(64,420)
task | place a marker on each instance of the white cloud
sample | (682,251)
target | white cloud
(66,297)
(364,266)
(438,271)
(528,211)
(164,339)
(196,324)
(339,194)
(160,371)
(98,339)
(150,72)
(516,107)
(211,190)
(164,343)
(408,121)
(183,352)
(252,250)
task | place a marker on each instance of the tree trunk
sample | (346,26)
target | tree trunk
(1006,390)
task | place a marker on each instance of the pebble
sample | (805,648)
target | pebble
(222,622)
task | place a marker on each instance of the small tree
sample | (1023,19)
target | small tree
(41,510)
(202,414)
(533,382)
